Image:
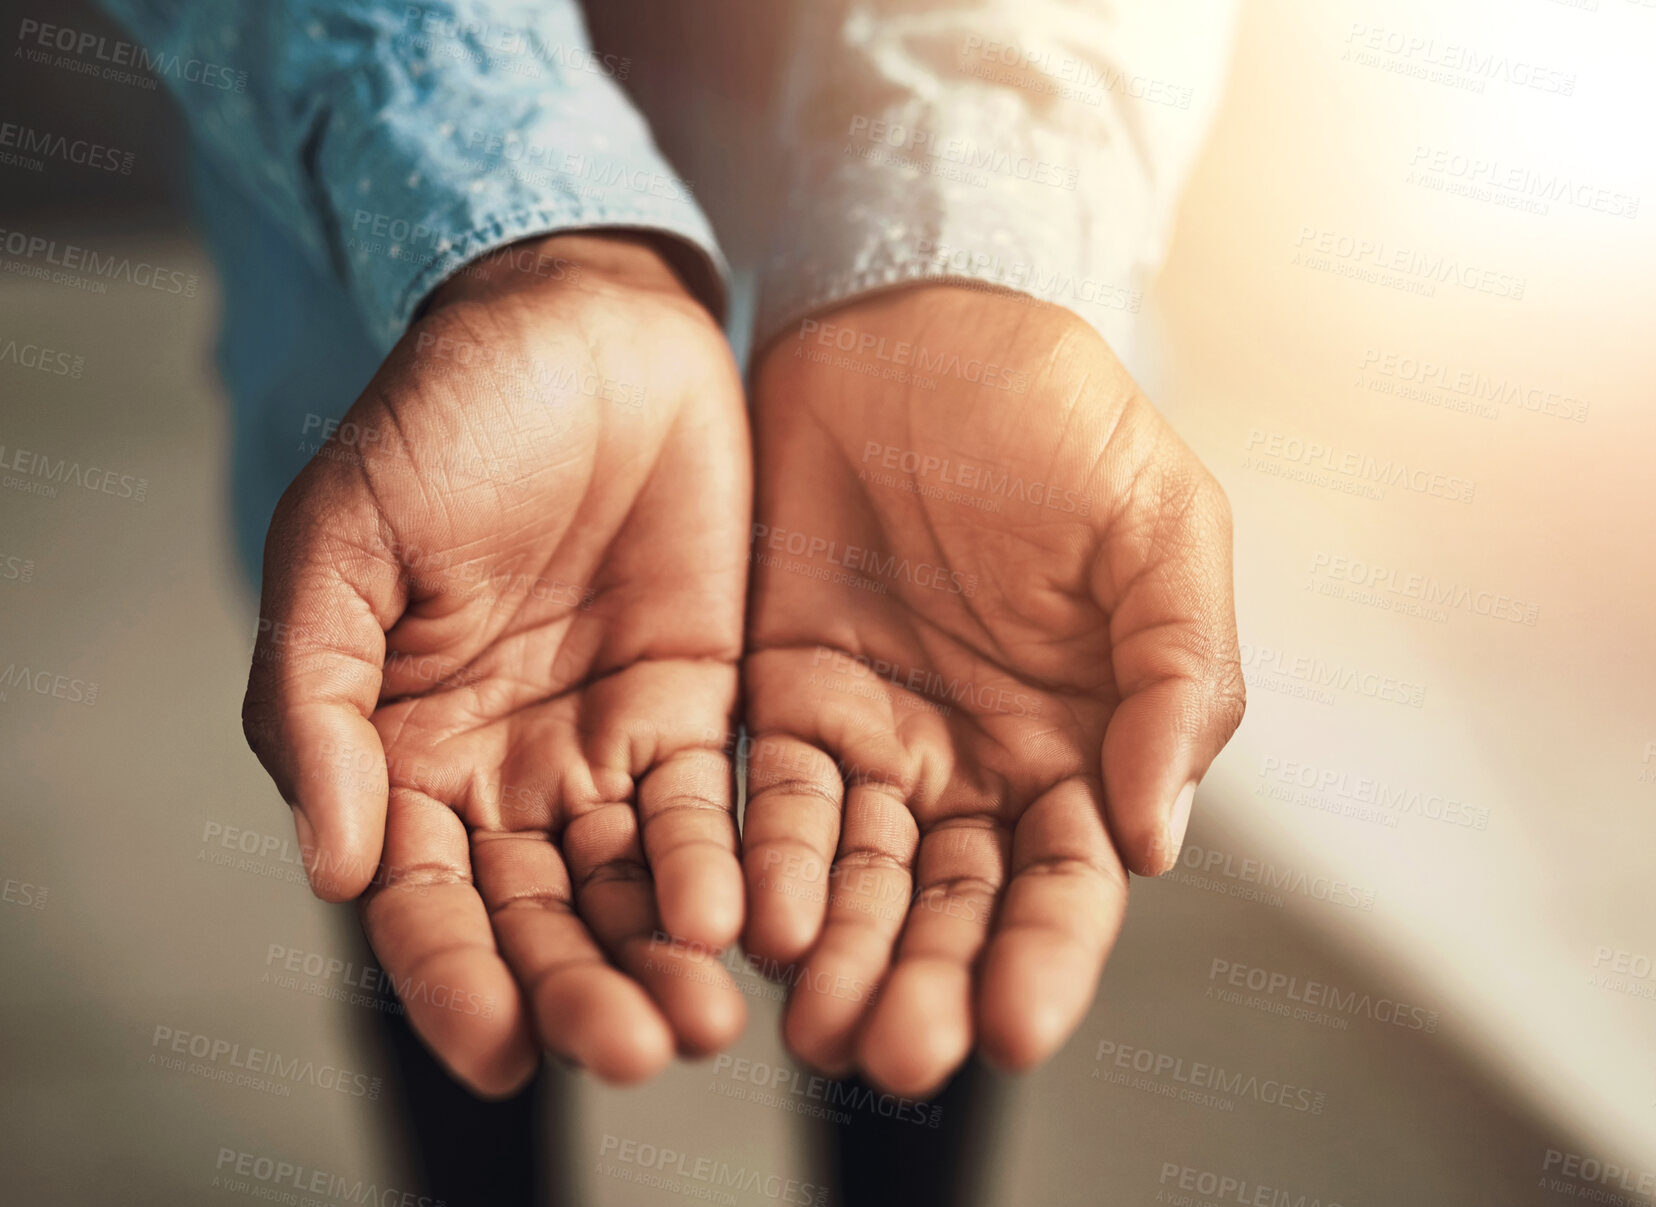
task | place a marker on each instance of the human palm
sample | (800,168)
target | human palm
(501,619)
(990,650)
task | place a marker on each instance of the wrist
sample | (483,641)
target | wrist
(638,261)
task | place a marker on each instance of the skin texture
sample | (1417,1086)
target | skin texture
(497,665)
(958,755)
(502,634)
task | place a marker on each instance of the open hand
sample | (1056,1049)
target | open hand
(497,663)
(991,649)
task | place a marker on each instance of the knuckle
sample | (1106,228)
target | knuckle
(797,787)
(872,858)
(689,808)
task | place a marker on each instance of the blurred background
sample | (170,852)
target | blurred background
(1418,889)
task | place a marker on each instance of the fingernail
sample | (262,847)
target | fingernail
(307,845)
(1178,821)
(302,827)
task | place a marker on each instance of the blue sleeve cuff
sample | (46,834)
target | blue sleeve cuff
(449,149)
(395,142)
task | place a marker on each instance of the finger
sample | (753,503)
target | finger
(920,1029)
(330,592)
(688,811)
(428,927)
(1059,918)
(789,833)
(584,1009)
(868,898)
(1165,582)
(616,897)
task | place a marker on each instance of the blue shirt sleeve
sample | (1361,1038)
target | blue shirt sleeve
(395,142)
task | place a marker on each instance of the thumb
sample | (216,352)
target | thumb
(1163,578)
(331,589)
